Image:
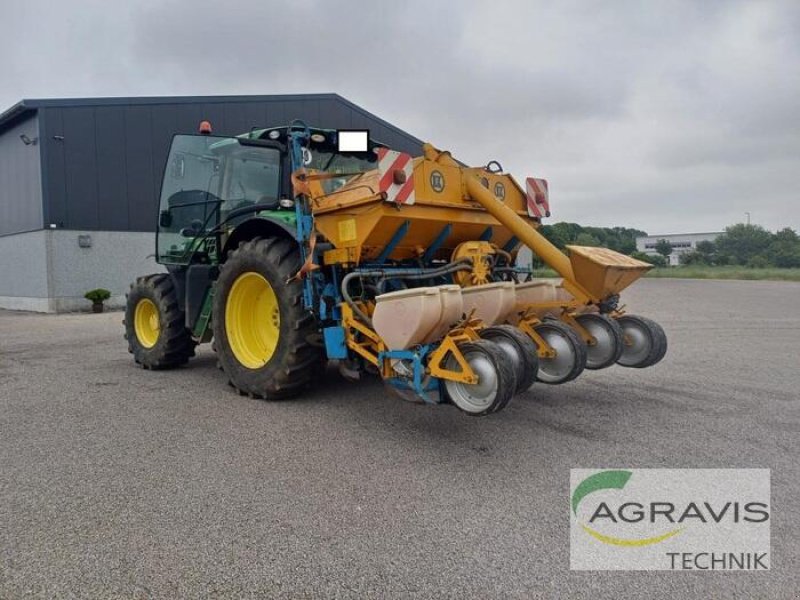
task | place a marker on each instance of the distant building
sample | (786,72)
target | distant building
(681,243)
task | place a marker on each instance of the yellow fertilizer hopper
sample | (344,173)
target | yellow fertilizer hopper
(433,210)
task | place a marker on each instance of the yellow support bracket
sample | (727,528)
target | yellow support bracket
(468,329)
(567,315)
(569,319)
(528,324)
(370,347)
(449,345)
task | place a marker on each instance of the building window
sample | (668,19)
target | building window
(675,245)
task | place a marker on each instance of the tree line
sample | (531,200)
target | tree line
(740,244)
(621,239)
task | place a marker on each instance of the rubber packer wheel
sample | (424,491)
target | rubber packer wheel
(645,342)
(608,336)
(266,354)
(154,310)
(519,349)
(570,358)
(497,379)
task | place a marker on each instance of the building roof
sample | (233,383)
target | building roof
(16,113)
(28,107)
(669,235)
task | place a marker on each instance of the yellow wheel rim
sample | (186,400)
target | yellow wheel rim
(252,320)
(147,323)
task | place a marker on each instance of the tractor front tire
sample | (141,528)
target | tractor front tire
(261,328)
(155,324)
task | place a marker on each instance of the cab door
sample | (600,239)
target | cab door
(190,197)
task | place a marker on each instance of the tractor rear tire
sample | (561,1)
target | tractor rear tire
(261,328)
(519,349)
(155,324)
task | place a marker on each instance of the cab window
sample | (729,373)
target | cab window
(205,178)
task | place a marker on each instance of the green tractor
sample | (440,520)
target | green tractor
(228,236)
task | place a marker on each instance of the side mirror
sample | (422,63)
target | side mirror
(165,218)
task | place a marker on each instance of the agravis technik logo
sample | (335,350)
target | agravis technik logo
(672,519)
(611,480)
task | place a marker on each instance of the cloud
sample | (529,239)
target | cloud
(672,116)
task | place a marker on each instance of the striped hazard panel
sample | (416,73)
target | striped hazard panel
(537,197)
(396,173)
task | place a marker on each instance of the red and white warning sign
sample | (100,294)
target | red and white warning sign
(396,176)
(537,197)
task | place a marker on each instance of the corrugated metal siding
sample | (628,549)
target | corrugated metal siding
(106,172)
(20,180)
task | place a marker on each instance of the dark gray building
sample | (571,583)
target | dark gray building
(90,170)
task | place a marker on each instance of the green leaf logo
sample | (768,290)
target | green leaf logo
(599,481)
(606,480)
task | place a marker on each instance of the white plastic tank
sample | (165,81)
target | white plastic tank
(562,294)
(536,292)
(407,317)
(452,310)
(492,302)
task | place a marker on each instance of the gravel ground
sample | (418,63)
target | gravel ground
(120,482)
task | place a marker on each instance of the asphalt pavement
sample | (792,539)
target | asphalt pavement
(117,482)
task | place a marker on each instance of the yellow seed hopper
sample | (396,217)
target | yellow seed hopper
(452,205)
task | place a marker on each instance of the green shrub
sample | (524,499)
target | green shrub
(654,259)
(784,254)
(758,262)
(97,296)
(706,247)
(743,242)
(694,258)
(587,239)
(664,248)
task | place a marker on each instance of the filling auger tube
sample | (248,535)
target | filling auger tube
(530,237)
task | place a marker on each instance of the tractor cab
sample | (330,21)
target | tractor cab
(212,184)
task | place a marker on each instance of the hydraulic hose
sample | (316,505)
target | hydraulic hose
(460,265)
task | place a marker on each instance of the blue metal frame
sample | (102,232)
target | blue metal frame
(511,244)
(397,237)
(328,301)
(299,134)
(416,357)
(437,243)
(335,345)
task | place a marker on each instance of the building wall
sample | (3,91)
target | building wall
(112,262)
(20,179)
(48,271)
(103,163)
(23,271)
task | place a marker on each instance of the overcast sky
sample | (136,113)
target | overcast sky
(665,116)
